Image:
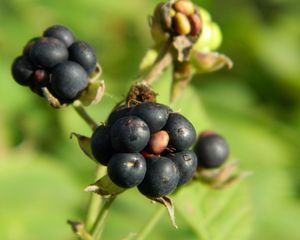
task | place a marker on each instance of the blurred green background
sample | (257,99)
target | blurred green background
(256,106)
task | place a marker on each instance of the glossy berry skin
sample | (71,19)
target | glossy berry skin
(48,52)
(61,33)
(211,150)
(154,114)
(119,112)
(129,134)
(181,132)
(22,71)
(186,162)
(100,144)
(82,53)
(127,169)
(68,80)
(161,178)
(28,46)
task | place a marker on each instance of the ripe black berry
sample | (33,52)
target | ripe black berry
(126,169)
(181,131)
(161,177)
(119,112)
(211,150)
(100,144)
(22,71)
(82,53)
(60,32)
(129,134)
(47,52)
(154,114)
(28,46)
(186,163)
(68,80)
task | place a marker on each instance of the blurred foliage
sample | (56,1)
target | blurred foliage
(256,106)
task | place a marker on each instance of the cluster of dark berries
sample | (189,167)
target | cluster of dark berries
(55,61)
(146,145)
(211,149)
(176,18)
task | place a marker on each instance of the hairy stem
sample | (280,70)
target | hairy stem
(95,201)
(84,115)
(163,60)
(150,224)
(98,226)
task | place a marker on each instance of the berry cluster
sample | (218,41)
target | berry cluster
(211,149)
(179,17)
(56,61)
(146,145)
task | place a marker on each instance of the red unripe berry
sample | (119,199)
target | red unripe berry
(158,142)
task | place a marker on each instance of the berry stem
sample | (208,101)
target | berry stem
(150,224)
(84,115)
(98,226)
(95,200)
(163,60)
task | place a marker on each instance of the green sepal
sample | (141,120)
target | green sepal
(93,93)
(168,203)
(105,187)
(80,230)
(85,145)
(204,62)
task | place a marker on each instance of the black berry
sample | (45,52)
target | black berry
(126,169)
(129,134)
(154,114)
(28,46)
(82,53)
(161,178)
(22,71)
(119,112)
(68,80)
(186,163)
(100,144)
(47,52)
(60,32)
(181,132)
(211,150)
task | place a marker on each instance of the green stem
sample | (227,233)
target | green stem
(101,219)
(84,115)
(95,201)
(150,224)
(162,61)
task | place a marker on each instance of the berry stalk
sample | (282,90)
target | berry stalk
(84,115)
(98,226)
(163,60)
(95,201)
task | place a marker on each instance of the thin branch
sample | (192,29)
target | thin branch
(163,60)
(84,115)
(95,201)
(98,226)
(150,224)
